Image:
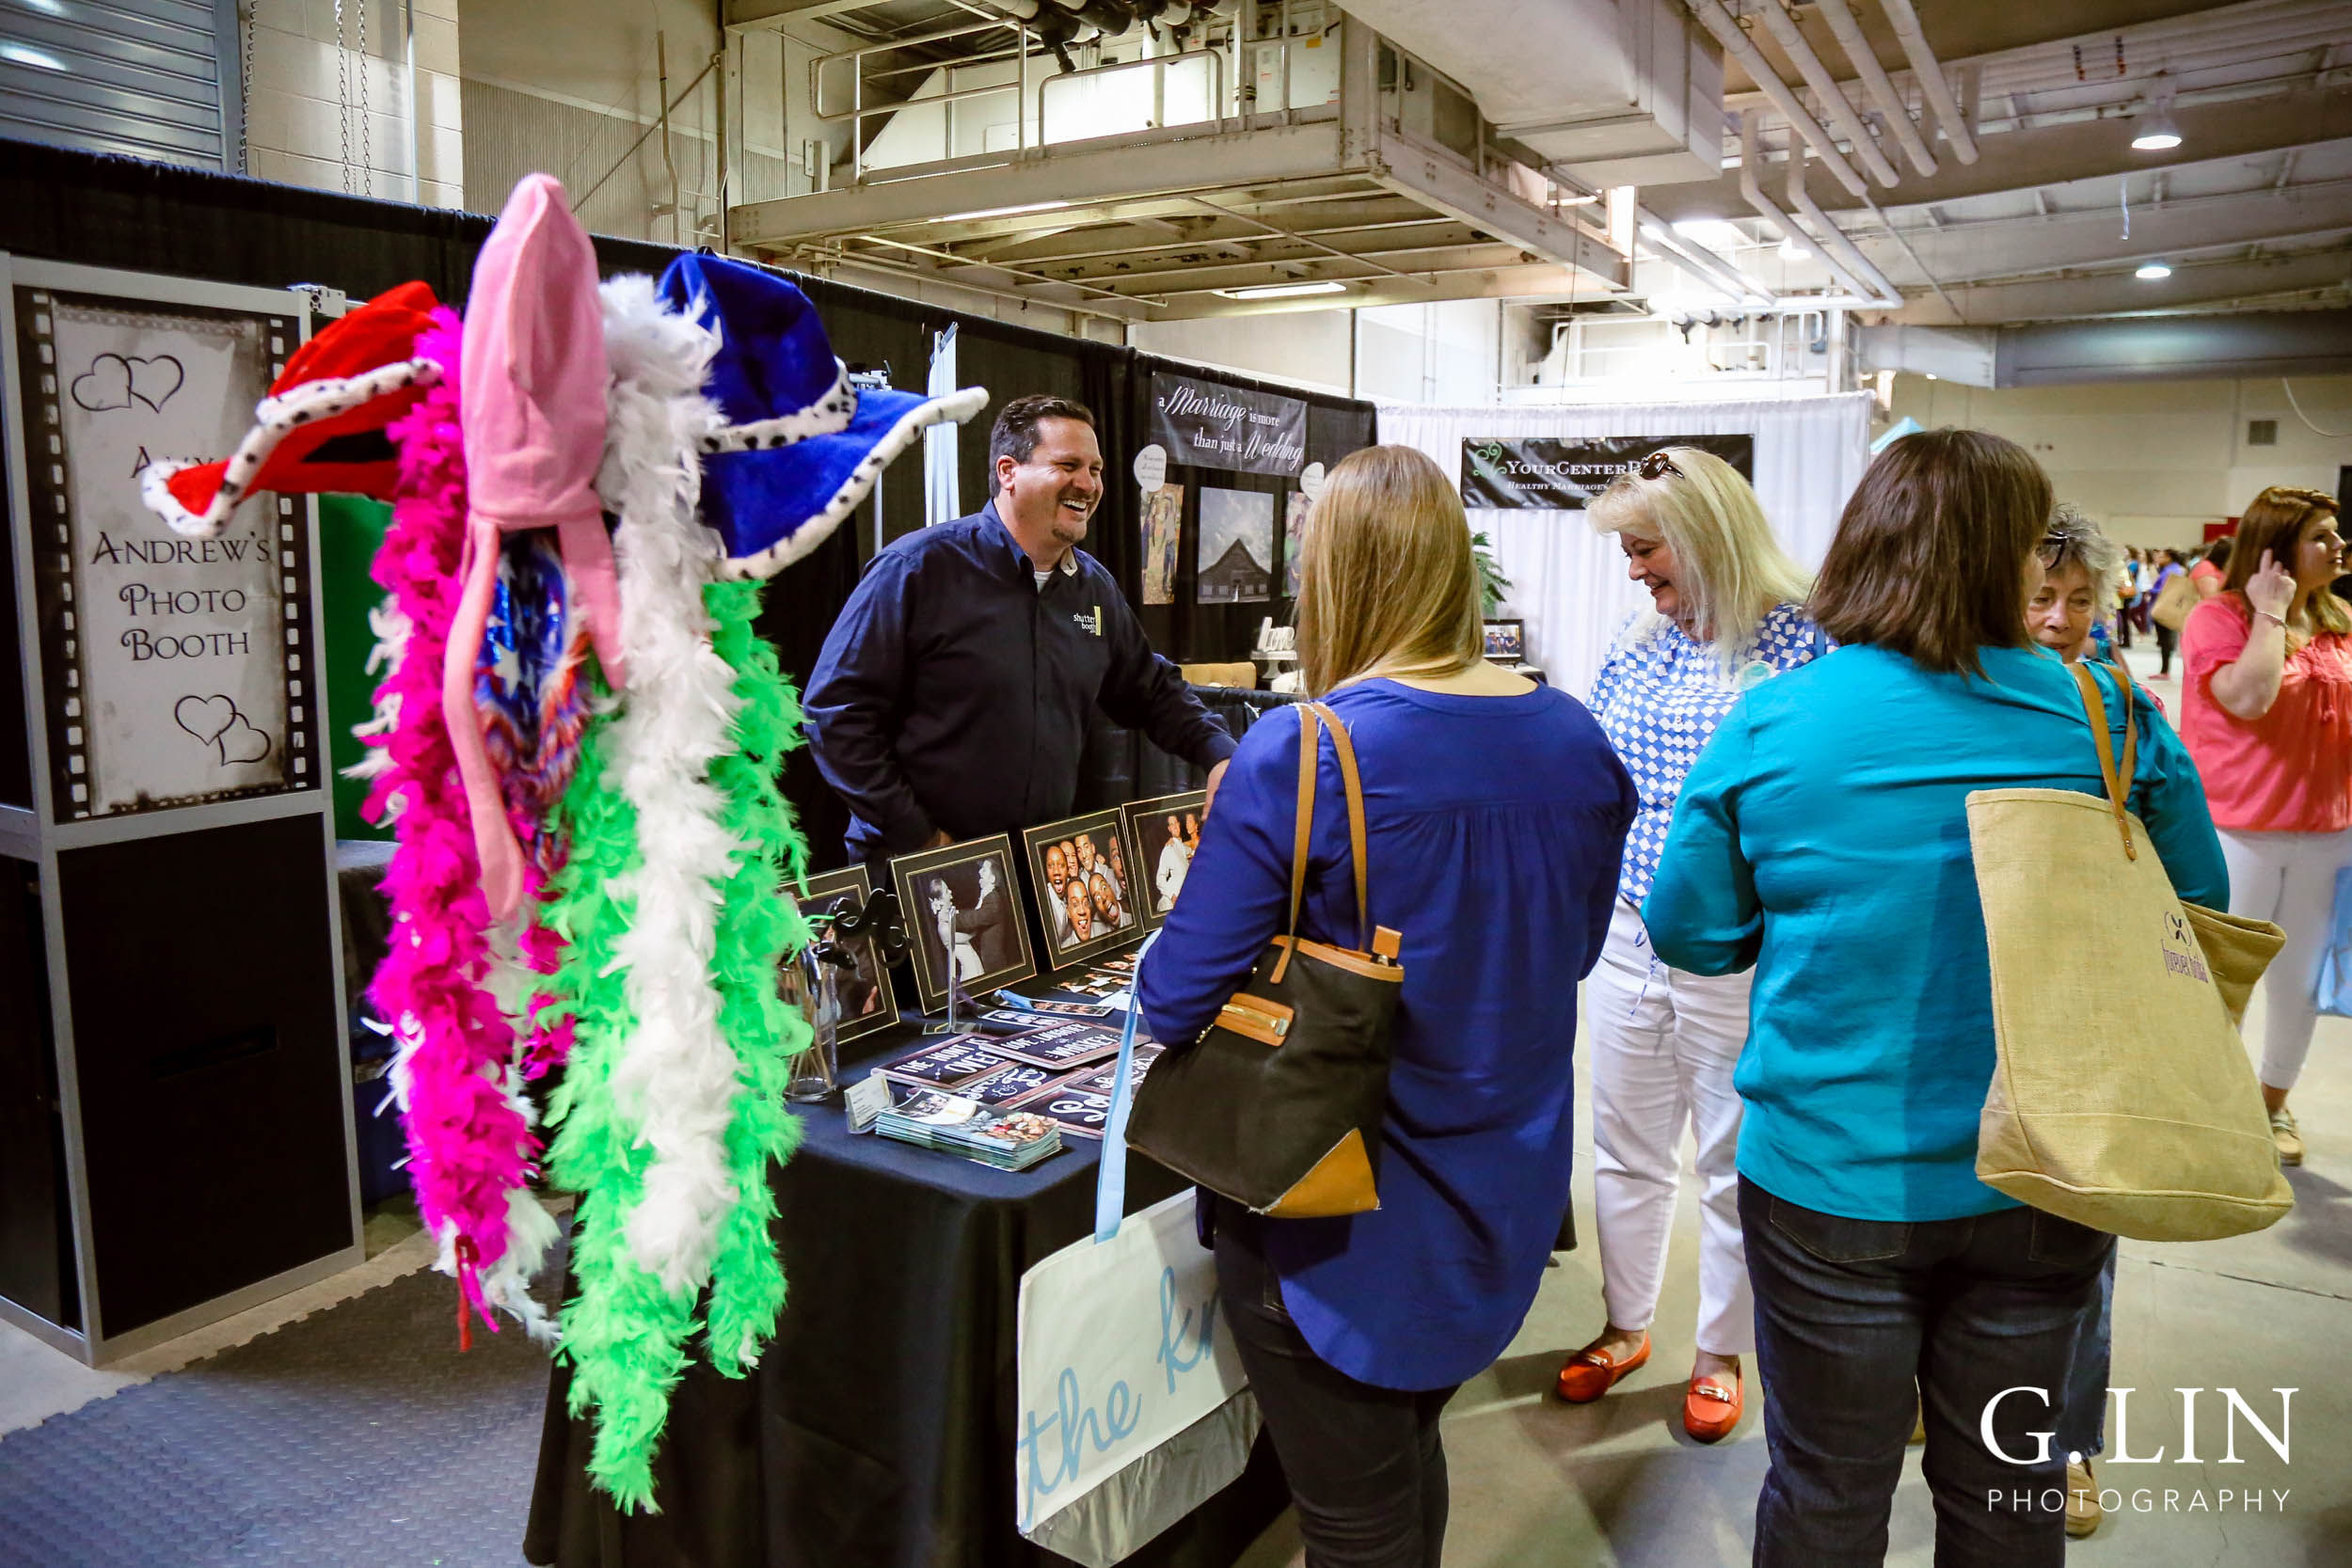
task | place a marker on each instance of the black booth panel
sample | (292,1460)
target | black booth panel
(16,736)
(213,1095)
(36,1225)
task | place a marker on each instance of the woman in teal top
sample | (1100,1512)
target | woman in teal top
(1823,840)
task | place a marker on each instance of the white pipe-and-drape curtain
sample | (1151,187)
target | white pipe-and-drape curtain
(1567,582)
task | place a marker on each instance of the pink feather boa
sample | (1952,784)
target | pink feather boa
(469,1146)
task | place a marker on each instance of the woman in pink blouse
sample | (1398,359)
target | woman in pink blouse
(2268,715)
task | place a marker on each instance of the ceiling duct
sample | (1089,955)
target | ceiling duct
(1635,99)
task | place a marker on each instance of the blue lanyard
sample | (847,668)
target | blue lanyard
(1110,1183)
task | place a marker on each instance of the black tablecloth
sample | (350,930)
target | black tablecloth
(879,1429)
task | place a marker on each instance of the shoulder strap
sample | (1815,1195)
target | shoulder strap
(2119,787)
(1310,759)
(1345,748)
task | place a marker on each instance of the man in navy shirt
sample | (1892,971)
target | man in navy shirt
(952,696)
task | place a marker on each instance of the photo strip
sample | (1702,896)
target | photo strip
(1166,832)
(965,926)
(1085,884)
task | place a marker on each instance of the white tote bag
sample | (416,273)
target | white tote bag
(1133,1408)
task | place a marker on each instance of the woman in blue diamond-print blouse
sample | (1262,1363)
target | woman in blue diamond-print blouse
(1726,615)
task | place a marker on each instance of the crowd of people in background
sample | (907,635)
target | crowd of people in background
(1755,844)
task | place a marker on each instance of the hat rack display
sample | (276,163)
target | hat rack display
(579,741)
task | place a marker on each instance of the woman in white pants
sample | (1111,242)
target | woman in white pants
(1725,614)
(2266,711)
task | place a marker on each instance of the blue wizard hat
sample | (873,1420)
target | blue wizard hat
(799,447)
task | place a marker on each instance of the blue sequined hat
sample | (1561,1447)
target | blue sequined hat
(799,447)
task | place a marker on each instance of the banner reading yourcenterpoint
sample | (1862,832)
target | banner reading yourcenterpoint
(1543,473)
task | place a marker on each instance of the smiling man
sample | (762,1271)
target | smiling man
(952,697)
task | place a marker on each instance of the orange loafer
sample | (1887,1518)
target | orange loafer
(1710,1410)
(1593,1372)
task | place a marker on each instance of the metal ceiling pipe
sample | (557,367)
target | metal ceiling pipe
(1833,97)
(1751,187)
(1832,239)
(1736,43)
(1930,73)
(1705,264)
(1857,47)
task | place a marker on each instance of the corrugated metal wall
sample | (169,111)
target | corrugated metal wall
(150,78)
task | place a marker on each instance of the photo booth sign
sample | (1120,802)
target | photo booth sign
(175,666)
(1546,474)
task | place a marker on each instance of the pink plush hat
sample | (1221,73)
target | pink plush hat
(532,410)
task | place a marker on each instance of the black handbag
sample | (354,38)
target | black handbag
(1278,1106)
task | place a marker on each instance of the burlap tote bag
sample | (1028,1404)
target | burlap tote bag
(2123,1099)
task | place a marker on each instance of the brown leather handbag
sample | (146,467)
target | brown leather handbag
(1278,1106)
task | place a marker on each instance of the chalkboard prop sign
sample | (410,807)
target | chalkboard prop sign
(176,670)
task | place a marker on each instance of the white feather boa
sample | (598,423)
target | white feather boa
(673,1079)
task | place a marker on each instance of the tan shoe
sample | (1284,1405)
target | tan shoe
(2083,1512)
(2286,1137)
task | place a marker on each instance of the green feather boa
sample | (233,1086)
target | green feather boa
(624,1336)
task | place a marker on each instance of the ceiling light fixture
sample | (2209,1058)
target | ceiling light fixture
(17,53)
(1285,291)
(1792,250)
(1006,212)
(2158,132)
(2150,271)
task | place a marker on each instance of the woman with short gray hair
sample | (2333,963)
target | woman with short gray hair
(2081,570)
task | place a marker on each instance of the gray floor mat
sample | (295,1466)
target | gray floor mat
(356,1436)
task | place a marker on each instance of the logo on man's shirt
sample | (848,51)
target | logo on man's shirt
(1093,623)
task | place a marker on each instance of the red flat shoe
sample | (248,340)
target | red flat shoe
(1710,1410)
(1593,1372)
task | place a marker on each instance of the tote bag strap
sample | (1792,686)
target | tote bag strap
(2118,782)
(1344,747)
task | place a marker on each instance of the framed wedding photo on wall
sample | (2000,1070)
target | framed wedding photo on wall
(961,908)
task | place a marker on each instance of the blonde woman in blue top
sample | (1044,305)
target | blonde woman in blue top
(1822,841)
(1725,613)
(1494,818)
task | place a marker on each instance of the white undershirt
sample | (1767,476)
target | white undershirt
(1042,579)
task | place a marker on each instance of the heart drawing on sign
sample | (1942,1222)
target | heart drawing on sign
(217,721)
(205,717)
(117,380)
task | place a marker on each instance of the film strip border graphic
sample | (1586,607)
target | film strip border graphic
(51,515)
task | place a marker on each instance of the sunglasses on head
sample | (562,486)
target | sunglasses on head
(1658,465)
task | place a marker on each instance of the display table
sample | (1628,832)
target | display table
(879,1429)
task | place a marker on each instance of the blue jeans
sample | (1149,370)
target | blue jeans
(1851,1315)
(2082,1423)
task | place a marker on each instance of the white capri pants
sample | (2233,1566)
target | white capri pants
(1664,1044)
(2291,878)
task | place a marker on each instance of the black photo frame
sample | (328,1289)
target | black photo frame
(1091,839)
(1146,822)
(971,873)
(868,1005)
(1506,642)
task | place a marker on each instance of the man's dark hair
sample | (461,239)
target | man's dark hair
(1014,434)
(1930,557)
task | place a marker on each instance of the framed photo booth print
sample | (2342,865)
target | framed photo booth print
(863,990)
(1084,872)
(1164,832)
(962,907)
(1507,642)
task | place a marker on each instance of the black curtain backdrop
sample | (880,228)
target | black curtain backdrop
(60,204)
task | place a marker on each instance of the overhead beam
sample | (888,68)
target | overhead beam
(2019,248)
(1523,282)
(1965,32)
(767,15)
(2056,154)
(2210,285)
